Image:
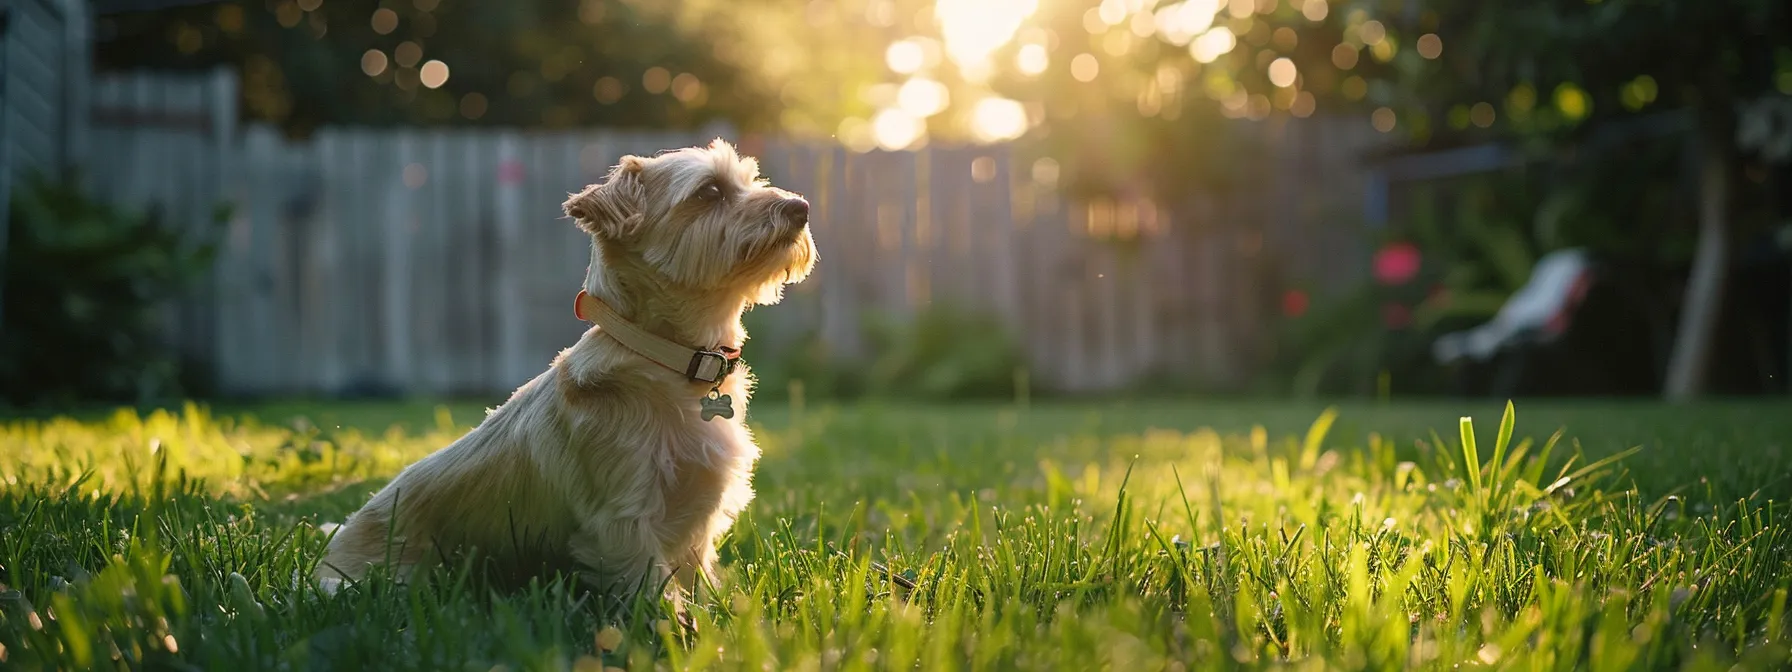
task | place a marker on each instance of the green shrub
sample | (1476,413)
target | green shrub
(942,352)
(85,284)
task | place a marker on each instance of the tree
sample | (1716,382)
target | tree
(537,63)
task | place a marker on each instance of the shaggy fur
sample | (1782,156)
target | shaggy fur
(603,456)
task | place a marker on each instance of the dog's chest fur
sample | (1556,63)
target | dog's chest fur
(642,447)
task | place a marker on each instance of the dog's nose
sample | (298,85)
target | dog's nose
(795,212)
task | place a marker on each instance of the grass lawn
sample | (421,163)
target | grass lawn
(1127,536)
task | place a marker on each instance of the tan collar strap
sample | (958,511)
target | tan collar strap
(708,366)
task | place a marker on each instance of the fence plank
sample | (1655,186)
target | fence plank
(509,212)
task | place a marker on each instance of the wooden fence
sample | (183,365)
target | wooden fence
(435,261)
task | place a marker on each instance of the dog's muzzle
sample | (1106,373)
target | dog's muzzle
(793,213)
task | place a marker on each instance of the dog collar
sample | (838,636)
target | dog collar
(707,366)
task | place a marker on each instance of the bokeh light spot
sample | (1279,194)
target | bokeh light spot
(855,134)
(1045,172)
(607,90)
(1638,93)
(1372,32)
(1522,98)
(1382,119)
(1282,72)
(1032,59)
(1383,51)
(922,97)
(1092,23)
(373,62)
(1143,24)
(1481,115)
(687,88)
(1315,10)
(1085,68)
(384,21)
(288,14)
(983,169)
(1304,104)
(998,119)
(894,129)
(1572,102)
(1285,39)
(407,54)
(473,105)
(1344,56)
(1430,45)
(433,74)
(1354,88)
(904,56)
(1112,12)
(656,80)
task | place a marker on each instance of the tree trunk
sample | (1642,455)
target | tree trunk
(1703,301)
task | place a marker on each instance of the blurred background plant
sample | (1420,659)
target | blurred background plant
(942,352)
(88,284)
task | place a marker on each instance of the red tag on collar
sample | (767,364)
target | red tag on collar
(578,306)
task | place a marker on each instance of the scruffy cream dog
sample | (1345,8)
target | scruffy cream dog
(627,455)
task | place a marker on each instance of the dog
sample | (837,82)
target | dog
(629,454)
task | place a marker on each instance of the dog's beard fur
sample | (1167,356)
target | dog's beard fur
(698,218)
(604,456)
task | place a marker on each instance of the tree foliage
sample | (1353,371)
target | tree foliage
(552,63)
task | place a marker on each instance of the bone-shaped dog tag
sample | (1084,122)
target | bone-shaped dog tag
(716,404)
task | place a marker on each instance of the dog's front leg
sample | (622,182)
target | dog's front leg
(698,566)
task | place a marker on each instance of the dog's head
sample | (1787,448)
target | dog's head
(702,219)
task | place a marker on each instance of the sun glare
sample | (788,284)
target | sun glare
(974,29)
(1213,44)
(1180,23)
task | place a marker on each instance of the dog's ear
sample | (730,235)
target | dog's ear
(612,209)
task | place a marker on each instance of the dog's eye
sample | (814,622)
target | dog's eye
(709,192)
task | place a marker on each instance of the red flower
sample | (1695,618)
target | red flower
(1396,263)
(1294,303)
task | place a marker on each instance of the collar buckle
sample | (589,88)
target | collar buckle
(709,366)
